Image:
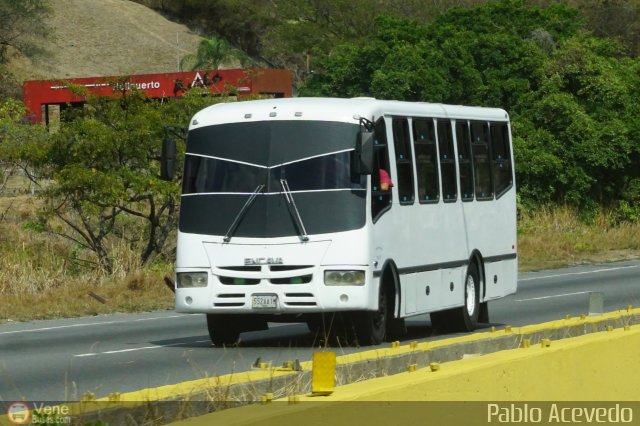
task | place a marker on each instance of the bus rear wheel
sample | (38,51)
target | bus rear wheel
(464,318)
(223,329)
(469,313)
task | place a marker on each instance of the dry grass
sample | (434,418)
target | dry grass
(38,280)
(73,298)
(552,238)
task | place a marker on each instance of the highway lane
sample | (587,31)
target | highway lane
(59,360)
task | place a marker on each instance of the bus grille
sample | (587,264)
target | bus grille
(239,281)
(303,279)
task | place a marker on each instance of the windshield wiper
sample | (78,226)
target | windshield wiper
(241,213)
(293,209)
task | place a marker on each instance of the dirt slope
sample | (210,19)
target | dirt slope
(107,37)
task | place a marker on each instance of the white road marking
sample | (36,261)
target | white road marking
(137,349)
(555,295)
(90,324)
(579,273)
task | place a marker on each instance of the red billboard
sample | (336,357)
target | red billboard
(39,94)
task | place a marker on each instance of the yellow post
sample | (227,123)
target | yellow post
(323,373)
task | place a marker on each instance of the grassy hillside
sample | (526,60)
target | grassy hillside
(106,37)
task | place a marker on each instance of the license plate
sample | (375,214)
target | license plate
(264,301)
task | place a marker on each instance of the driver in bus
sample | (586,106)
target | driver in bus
(385,180)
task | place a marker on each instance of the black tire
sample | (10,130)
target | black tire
(223,330)
(371,326)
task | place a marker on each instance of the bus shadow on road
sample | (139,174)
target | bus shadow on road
(299,336)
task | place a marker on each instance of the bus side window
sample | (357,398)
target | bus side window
(464,160)
(404,163)
(447,162)
(481,160)
(380,200)
(424,144)
(502,175)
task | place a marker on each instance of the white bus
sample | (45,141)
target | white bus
(284,215)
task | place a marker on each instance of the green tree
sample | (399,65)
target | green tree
(619,19)
(101,172)
(586,106)
(212,52)
(14,133)
(488,55)
(571,95)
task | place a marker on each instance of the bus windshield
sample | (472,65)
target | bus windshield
(214,175)
(224,165)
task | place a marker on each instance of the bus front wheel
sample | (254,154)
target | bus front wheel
(371,326)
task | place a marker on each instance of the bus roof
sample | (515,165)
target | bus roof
(335,109)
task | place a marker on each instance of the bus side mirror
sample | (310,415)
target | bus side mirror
(168,159)
(364,153)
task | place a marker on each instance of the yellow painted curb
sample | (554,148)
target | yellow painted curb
(603,366)
(199,385)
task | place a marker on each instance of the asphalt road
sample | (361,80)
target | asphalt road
(59,360)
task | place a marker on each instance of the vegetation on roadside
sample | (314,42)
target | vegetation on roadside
(40,279)
(98,176)
(554,237)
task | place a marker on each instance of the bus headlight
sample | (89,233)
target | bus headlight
(343,277)
(192,279)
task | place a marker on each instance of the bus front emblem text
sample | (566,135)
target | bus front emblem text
(248,261)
